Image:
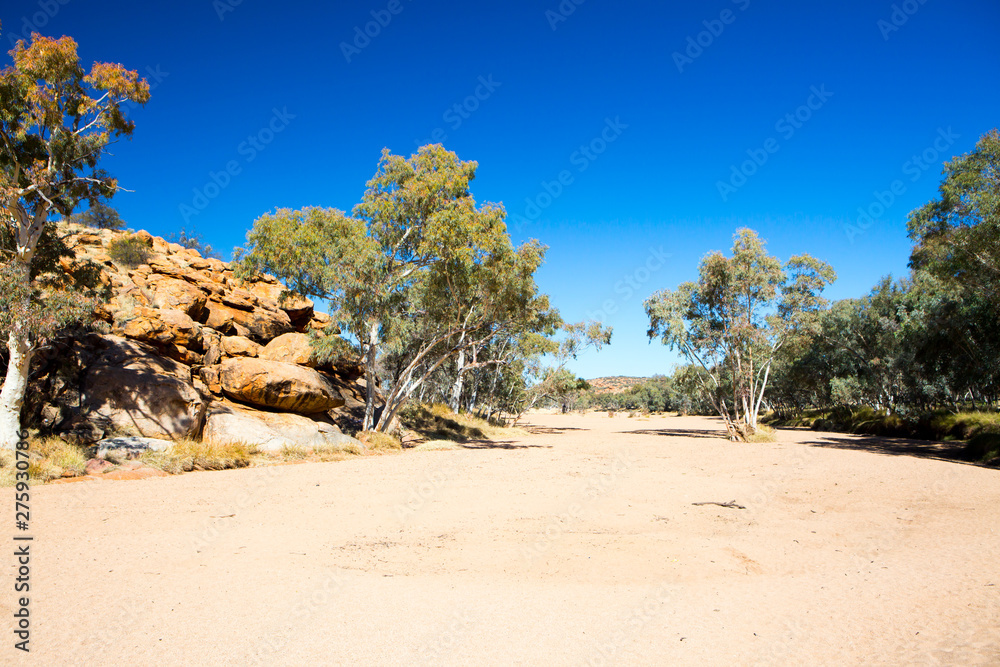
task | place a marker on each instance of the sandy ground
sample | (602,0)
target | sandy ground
(578,544)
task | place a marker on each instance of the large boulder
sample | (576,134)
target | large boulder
(135,390)
(179,295)
(270,431)
(276,295)
(240,346)
(260,324)
(164,327)
(278,385)
(292,348)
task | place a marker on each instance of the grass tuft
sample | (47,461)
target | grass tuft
(188,455)
(764,433)
(379,442)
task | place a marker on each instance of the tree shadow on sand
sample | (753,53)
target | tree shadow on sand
(499,444)
(682,433)
(535,429)
(953,452)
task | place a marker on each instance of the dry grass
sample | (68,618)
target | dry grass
(764,433)
(321,453)
(188,455)
(48,459)
(436,446)
(52,458)
(379,442)
(438,422)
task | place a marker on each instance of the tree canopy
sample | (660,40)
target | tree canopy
(56,122)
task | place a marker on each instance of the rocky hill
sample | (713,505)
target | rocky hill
(615,384)
(191,352)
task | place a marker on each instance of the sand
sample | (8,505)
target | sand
(578,544)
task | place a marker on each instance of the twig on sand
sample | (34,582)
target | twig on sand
(731,504)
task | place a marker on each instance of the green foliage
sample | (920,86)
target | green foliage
(984,447)
(957,236)
(129,250)
(733,321)
(417,275)
(100,216)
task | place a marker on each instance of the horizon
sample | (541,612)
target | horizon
(631,139)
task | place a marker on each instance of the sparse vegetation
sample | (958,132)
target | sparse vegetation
(437,422)
(984,448)
(100,216)
(129,250)
(188,455)
(764,433)
(378,441)
(49,458)
(936,425)
(193,241)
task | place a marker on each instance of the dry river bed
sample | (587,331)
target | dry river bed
(580,544)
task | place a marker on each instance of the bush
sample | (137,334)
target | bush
(983,447)
(129,250)
(193,241)
(101,216)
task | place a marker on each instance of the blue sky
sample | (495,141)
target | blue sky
(804,112)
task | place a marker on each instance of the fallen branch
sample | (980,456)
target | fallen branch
(731,504)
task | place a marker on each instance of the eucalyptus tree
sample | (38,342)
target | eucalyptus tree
(734,320)
(418,270)
(957,235)
(56,122)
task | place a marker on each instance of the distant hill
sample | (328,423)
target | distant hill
(615,384)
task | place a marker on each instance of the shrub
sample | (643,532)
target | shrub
(101,216)
(129,250)
(192,241)
(983,447)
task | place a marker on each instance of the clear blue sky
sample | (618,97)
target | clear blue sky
(883,87)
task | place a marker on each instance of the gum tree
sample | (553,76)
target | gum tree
(733,321)
(56,122)
(418,270)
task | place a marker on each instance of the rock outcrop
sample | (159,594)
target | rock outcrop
(192,352)
(278,385)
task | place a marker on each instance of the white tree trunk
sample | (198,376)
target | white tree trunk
(14,387)
(370,381)
(456,389)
